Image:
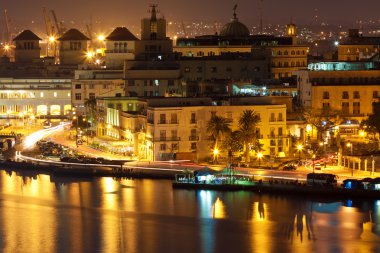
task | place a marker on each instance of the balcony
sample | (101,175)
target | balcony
(174,121)
(162,121)
(166,139)
(193,138)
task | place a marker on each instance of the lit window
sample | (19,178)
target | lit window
(55,94)
(42,94)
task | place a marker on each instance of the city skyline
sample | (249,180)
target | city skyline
(129,13)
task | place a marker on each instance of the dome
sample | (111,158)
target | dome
(234,29)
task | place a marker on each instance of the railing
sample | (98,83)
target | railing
(193,138)
(167,139)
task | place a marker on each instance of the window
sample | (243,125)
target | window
(91,95)
(170,82)
(345,108)
(92,86)
(272,118)
(119,106)
(174,146)
(345,95)
(326,95)
(280,117)
(131,82)
(162,135)
(174,134)
(78,96)
(162,119)
(272,133)
(356,94)
(214,69)
(375,94)
(55,94)
(78,86)
(199,69)
(193,118)
(326,106)
(356,108)
(173,118)
(105,86)
(187,69)
(42,94)
(280,131)
(193,145)
(162,146)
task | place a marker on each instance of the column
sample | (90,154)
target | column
(365,164)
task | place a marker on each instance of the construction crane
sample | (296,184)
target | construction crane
(49,27)
(7,26)
(57,25)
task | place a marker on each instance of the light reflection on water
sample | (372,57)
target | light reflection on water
(39,213)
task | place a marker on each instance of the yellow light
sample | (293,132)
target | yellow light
(348,145)
(109,126)
(32,117)
(309,128)
(6,47)
(52,39)
(362,133)
(299,147)
(90,54)
(216,151)
(313,156)
(74,117)
(321,144)
(101,37)
(259,155)
(21,114)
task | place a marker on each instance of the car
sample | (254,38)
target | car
(317,166)
(289,167)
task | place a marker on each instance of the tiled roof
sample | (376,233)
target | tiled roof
(121,34)
(26,35)
(73,34)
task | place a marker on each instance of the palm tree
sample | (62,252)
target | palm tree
(217,126)
(247,130)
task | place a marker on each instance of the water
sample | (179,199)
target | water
(46,214)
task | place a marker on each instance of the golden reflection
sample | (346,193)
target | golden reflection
(111,191)
(261,228)
(218,208)
(260,210)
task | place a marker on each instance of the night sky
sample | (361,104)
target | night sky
(128,13)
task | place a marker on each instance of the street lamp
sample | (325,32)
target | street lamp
(215,152)
(299,148)
(349,145)
(313,167)
(259,156)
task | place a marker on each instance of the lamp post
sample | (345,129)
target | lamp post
(215,152)
(349,145)
(299,148)
(313,167)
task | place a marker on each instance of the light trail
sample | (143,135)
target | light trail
(32,139)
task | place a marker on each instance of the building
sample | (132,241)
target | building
(167,128)
(286,55)
(73,47)
(40,97)
(358,47)
(27,48)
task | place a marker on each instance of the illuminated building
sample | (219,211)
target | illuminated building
(286,55)
(43,97)
(158,128)
(358,47)
(27,47)
(72,47)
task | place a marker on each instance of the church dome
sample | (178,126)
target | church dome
(234,28)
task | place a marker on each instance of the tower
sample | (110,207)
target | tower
(153,28)
(291,31)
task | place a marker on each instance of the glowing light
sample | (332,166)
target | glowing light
(101,37)
(216,151)
(52,39)
(362,133)
(90,55)
(299,147)
(309,128)
(259,155)
(348,144)
(336,43)
(7,47)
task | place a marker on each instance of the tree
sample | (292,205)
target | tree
(373,122)
(217,127)
(90,105)
(322,119)
(247,130)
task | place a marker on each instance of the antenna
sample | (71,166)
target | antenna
(261,15)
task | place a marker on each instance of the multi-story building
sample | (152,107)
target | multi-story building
(95,83)
(358,47)
(158,128)
(286,55)
(45,97)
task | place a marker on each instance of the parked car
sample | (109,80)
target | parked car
(289,167)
